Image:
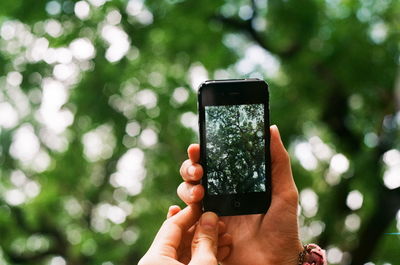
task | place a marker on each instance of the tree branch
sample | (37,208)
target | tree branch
(59,246)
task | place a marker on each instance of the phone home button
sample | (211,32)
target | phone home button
(236,204)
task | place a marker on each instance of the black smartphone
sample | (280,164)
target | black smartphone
(234,146)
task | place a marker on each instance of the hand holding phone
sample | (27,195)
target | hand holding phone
(271,238)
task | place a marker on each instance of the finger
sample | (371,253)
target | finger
(282,178)
(221,228)
(194,152)
(170,234)
(205,240)
(223,253)
(190,171)
(173,209)
(224,243)
(186,245)
(190,193)
(225,240)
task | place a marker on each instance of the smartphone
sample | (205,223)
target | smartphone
(234,146)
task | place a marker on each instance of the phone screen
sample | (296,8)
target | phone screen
(235,146)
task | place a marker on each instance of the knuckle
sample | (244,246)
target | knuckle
(199,171)
(205,239)
(291,196)
(183,168)
(181,189)
(183,192)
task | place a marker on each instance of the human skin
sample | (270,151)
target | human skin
(205,238)
(271,238)
(184,252)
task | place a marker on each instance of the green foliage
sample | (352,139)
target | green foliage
(98,106)
(235,149)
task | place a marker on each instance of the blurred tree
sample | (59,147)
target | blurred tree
(235,149)
(97,107)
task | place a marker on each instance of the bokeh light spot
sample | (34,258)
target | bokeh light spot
(148,137)
(82,10)
(82,49)
(334,255)
(354,200)
(352,222)
(53,7)
(309,202)
(339,164)
(9,116)
(180,95)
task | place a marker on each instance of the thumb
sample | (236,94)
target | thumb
(282,179)
(205,240)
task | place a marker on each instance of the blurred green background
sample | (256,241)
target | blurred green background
(98,106)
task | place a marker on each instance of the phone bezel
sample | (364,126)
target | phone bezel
(235,92)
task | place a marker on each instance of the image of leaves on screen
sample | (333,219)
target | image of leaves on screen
(235,149)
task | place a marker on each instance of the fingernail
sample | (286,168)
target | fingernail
(209,220)
(191,170)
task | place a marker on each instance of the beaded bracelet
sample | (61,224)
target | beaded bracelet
(312,254)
